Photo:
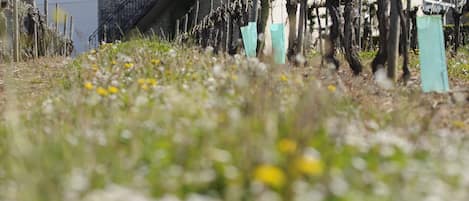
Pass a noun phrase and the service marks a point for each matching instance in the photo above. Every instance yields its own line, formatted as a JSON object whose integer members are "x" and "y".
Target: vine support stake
{"x": 16, "y": 37}
{"x": 46, "y": 11}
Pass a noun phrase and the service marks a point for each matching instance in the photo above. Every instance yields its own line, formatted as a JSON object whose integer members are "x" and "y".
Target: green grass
{"x": 458, "y": 66}
{"x": 190, "y": 124}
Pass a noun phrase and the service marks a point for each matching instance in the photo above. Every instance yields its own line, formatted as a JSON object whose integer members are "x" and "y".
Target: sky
{"x": 85, "y": 17}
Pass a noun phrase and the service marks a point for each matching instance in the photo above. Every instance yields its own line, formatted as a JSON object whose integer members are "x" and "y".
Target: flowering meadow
{"x": 151, "y": 121}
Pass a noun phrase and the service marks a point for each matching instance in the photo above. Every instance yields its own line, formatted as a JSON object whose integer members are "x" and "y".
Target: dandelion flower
{"x": 102, "y": 91}
{"x": 234, "y": 77}
{"x": 88, "y": 85}
{"x": 152, "y": 81}
{"x": 284, "y": 78}
{"x": 113, "y": 90}
{"x": 459, "y": 124}
{"x": 287, "y": 146}
{"x": 128, "y": 65}
{"x": 332, "y": 88}
{"x": 308, "y": 165}
{"x": 95, "y": 67}
{"x": 270, "y": 175}
{"x": 141, "y": 81}
{"x": 155, "y": 61}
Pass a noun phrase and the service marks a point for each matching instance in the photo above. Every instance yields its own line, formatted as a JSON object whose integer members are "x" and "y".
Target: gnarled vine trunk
{"x": 331, "y": 47}
{"x": 301, "y": 27}
{"x": 292, "y": 6}
{"x": 404, "y": 42}
{"x": 350, "y": 50}
{"x": 457, "y": 29}
{"x": 393, "y": 39}
{"x": 380, "y": 60}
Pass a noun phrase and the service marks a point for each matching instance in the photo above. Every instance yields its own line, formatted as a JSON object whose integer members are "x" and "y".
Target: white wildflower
{"x": 116, "y": 193}
{"x": 382, "y": 79}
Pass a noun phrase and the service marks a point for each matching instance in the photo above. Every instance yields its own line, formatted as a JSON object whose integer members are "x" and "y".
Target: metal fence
{"x": 120, "y": 21}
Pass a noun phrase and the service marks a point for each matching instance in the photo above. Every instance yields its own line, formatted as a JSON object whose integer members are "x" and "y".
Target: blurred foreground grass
{"x": 147, "y": 120}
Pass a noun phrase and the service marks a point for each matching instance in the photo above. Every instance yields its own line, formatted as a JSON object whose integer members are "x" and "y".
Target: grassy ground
{"x": 151, "y": 121}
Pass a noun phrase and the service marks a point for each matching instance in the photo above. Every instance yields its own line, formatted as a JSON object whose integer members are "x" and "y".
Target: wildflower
{"x": 287, "y": 146}
{"x": 332, "y": 88}
{"x": 95, "y": 67}
{"x": 284, "y": 78}
{"x": 128, "y": 65}
{"x": 459, "y": 124}
{"x": 113, "y": 90}
{"x": 152, "y": 81}
{"x": 141, "y": 81}
{"x": 270, "y": 175}
{"x": 234, "y": 77}
{"x": 113, "y": 62}
{"x": 144, "y": 87}
{"x": 155, "y": 61}
{"x": 102, "y": 91}
{"x": 88, "y": 85}
{"x": 308, "y": 165}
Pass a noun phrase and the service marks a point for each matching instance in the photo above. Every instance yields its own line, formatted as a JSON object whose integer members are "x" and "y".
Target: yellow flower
{"x": 152, "y": 81}
{"x": 102, "y": 91}
{"x": 308, "y": 165}
{"x": 284, "y": 78}
{"x": 88, "y": 85}
{"x": 234, "y": 77}
{"x": 144, "y": 87}
{"x": 270, "y": 175}
{"x": 332, "y": 88}
{"x": 113, "y": 62}
{"x": 459, "y": 124}
{"x": 95, "y": 67}
{"x": 287, "y": 146}
{"x": 155, "y": 61}
{"x": 113, "y": 90}
{"x": 128, "y": 65}
{"x": 141, "y": 81}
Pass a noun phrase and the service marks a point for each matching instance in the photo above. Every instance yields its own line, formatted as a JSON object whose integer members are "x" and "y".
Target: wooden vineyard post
{"x": 228, "y": 30}
{"x": 186, "y": 23}
{"x": 35, "y": 48}
{"x": 177, "y": 29}
{"x": 300, "y": 34}
{"x": 359, "y": 28}
{"x": 320, "y": 36}
{"x": 46, "y": 11}
{"x": 393, "y": 41}
{"x": 55, "y": 36}
{"x": 196, "y": 20}
{"x": 211, "y": 6}
{"x": 409, "y": 5}
{"x": 16, "y": 34}
{"x": 35, "y": 36}
{"x": 65, "y": 36}
{"x": 71, "y": 28}
{"x": 65, "y": 24}
{"x": 56, "y": 18}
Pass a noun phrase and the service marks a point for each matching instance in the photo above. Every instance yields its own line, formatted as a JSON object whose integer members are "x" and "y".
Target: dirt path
{"x": 2, "y": 85}
{"x": 439, "y": 111}
{"x": 30, "y": 79}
